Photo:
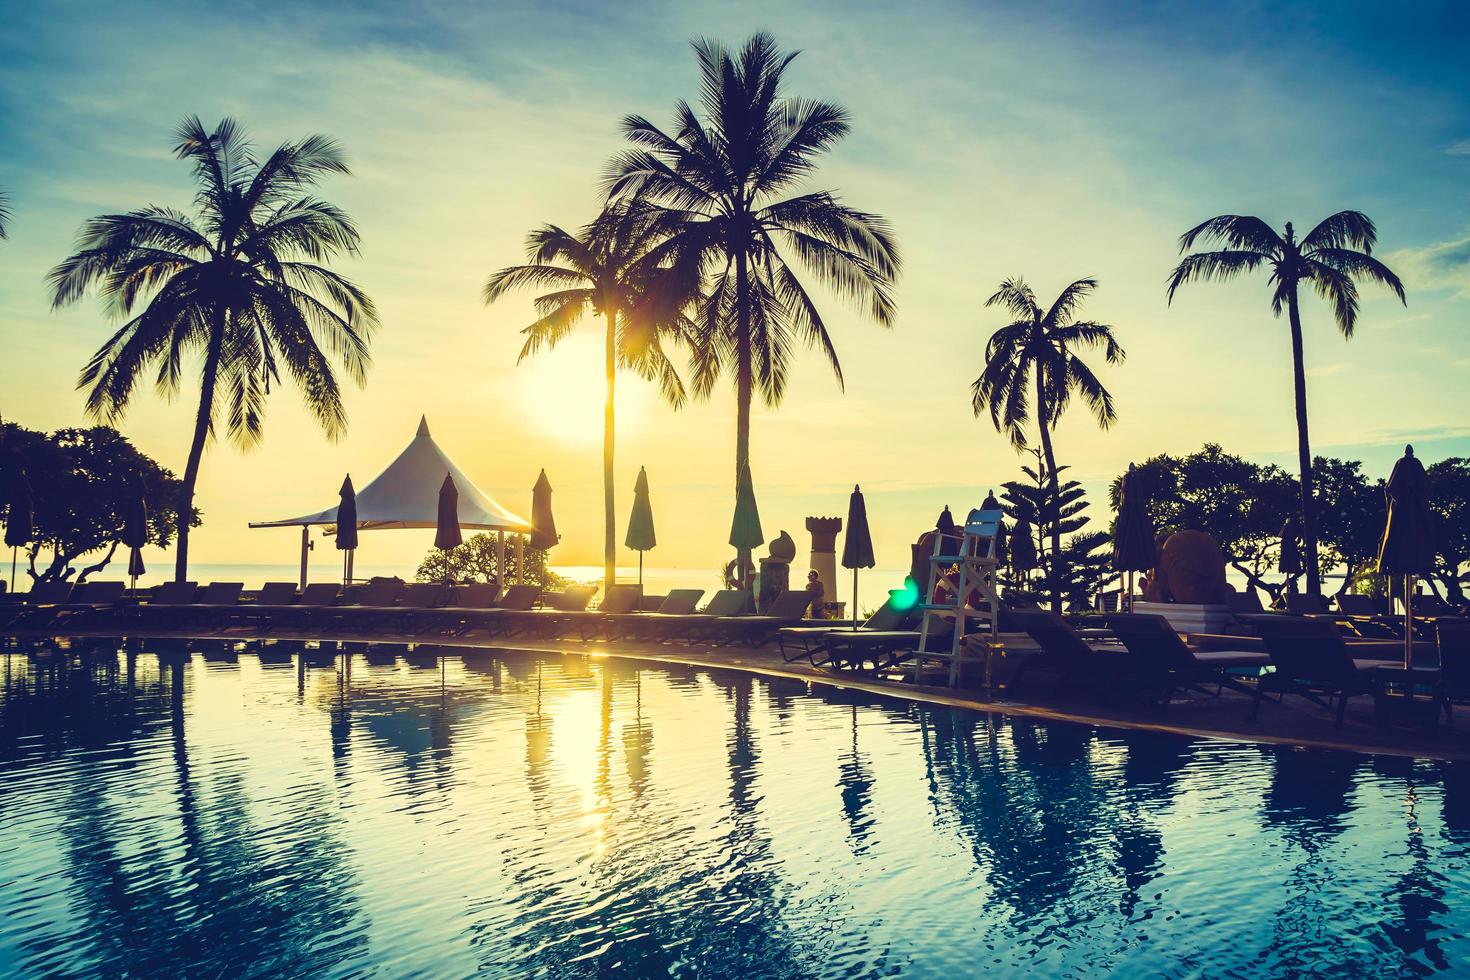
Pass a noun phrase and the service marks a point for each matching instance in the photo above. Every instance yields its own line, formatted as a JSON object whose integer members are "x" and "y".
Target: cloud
{"x": 1443, "y": 265}
{"x": 1459, "y": 148}
{"x": 1327, "y": 370}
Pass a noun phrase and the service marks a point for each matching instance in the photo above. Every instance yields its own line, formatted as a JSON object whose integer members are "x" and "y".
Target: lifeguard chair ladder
{"x": 964, "y": 566}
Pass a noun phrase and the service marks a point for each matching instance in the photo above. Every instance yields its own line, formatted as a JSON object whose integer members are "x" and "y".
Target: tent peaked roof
{"x": 406, "y": 494}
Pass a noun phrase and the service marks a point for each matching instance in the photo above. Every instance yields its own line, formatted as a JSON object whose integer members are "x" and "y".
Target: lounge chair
{"x": 362, "y": 604}
{"x": 638, "y": 625}
{"x": 787, "y": 609}
{"x": 316, "y": 597}
{"x": 662, "y": 626}
{"x": 415, "y": 601}
{"x": 1305, "y": 604}
{"x": 1453, "y": 637}
{"x": 276, "y": 594}
{"x": 1160, "y": 662}
{"x": 1312, "y": 660}
{"x": 552, "y": 617}
{"x": 502, "y": 615}
{"x": 620, "y": 600}
{"x": 811, "y": 642}
{"x": 1062, "y": 652}
{"x": 462, "y": 601}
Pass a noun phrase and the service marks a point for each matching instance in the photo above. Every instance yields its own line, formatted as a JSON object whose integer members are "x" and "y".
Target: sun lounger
{"x": 502, "y": 616}
{"x": 640, "y": 625}
{"x": 1160, "y": 663}
{"x": 787, "y": 609}
{"x": 811, "y": 642}
{"x": 463, "y": 601}
{"x": 361, "y": 604}
{"x": 663, "y": 626}
{"x": 1453, "y": 639}
{"x": 416, "y": 602}
{"x": 620, "y": 600}
{"x": 551, "y": 618}
{"x": 1062, "y": 652}
{"x": 316, "y": 597}
{"x": 1310, "y": 659}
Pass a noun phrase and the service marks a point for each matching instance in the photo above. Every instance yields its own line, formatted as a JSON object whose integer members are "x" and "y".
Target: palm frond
{"x": 1206, "y": 266}
{"x": 1238, "y": 232}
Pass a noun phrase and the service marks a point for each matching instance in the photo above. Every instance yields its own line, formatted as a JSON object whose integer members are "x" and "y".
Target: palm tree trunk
{"x": 196, "y": 447}
{"x": 743, "y": 389}
{"x": 1054, "y": 489}
{"x": 1303, "y": 448}
{"x": 609, "y": 511}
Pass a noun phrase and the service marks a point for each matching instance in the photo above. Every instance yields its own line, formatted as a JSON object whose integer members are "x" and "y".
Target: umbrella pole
{"x": 640, "y": 576}
{"x": 13, "y": 549}
{"x": 1408, "y": 622}
{"x": 854, "y": 599}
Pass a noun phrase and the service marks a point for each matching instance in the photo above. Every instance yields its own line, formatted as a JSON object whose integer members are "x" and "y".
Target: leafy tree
{"x": 475, "y": 561}
{"x": 1352, "y": 515}
{"x": 1070, "y": 577}
{"x": 85, "y": 480}
{"x": 242, "y": 284}
{"x": 1241, "y": 504}
{"x": 1039, "y": 346}
{"x": 605, "y": 269}
{"x": 723, "y": 177}
{"x": 1449, "y": 499}
{"x": 1332, "y": 257}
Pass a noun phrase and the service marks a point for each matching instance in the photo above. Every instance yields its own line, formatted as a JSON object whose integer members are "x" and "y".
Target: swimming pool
{"x": 520, "y": 815}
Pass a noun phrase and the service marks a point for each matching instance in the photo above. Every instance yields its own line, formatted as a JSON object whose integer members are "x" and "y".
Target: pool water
{"x": 520, "y": 815}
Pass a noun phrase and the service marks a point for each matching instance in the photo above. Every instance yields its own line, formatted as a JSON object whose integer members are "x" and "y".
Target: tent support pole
{"x": 305, "y": 545}
{"x": 500, "y": 558}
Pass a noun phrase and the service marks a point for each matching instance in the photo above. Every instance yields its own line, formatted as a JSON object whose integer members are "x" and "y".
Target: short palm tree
{"x": 1331, "y": 257}
{"x": 1038, "y": 347}
{"x": 241, "y": 284}
{"x": 605, "y": 269}
{"x": 723, "y": 177}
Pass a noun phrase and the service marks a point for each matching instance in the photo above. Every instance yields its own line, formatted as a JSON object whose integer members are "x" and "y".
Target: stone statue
{"x": 776, "y": 569}
{"x": 1191, "y": 570}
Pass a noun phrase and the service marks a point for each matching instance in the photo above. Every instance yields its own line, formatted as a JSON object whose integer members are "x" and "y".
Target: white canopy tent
{"x": 406, "y": 495}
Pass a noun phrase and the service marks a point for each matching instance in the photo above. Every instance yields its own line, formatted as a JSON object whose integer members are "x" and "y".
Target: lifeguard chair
{"x": 961, "y": 590}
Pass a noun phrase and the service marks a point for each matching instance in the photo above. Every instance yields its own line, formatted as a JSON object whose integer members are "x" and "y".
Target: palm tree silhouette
{"x": 723, "y": 177}
{"x": 242, "y": 284}
{"x": 1037, "y": 346}
{"x": 605, "y": 269}
{"x": 1332, "y": 257}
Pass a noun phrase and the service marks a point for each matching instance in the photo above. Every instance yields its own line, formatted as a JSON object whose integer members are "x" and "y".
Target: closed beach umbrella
{"x": 640, "y": 523}
{"x": 447, "y": 536}
{"x": 543, "y": 524}
{"x": 1023, "y": 548}
{"x": 135, "y": 534}
{"x": 857, "y": 547}
{"x": 945, "y": 525}
{"x": 745, "y": 527}
{"x": 1133, "y": 533}
{"x": 1408, "y": 546}
{"x": 347, "y": 527}
{"x": 1290, "y": 563}
{"x": 19, "y": 518}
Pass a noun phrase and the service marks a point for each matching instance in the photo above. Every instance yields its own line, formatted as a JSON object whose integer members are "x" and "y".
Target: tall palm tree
{"x": 724, "y": 176}
{"x": 1038, "y": 347}
{"x": 241, "y": 284}
{"x": 605, "y": 269}
{"x": 1331, "y": 257}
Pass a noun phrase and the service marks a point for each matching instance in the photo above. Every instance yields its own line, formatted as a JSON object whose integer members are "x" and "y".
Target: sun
{"x": 562, "y": 393}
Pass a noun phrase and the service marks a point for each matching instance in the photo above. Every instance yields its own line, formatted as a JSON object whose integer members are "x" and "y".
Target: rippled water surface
{"x": 166, "y": 814}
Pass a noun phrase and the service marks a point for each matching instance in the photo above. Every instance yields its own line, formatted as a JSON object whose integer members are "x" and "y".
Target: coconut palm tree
{"x": 1038, "y": 347}
{"x": 242, "y": 285}
{"x": 724, "y": 175}
{"x": 4, "y": 214}
{"x": 1332, "y": 257}
{"x": 604, "y": 269}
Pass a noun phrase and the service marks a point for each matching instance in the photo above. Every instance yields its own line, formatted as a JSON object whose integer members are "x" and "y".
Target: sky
{"x": 1046, "y": 140}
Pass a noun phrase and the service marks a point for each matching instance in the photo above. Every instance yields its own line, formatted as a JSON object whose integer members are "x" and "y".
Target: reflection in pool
{"x": 525, "y": 815}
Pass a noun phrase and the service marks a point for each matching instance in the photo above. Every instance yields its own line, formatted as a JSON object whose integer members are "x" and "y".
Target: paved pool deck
{"x": 1293, "y": 722}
